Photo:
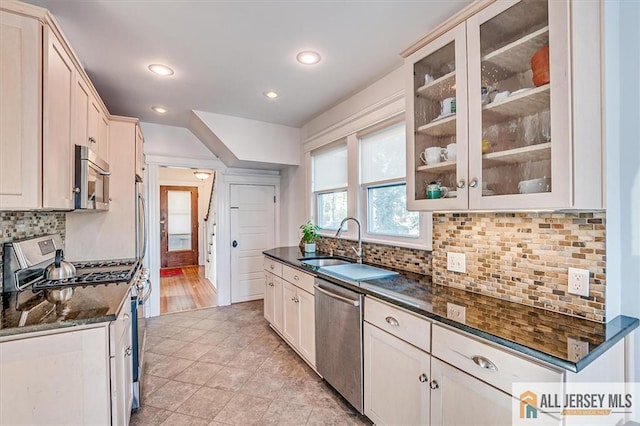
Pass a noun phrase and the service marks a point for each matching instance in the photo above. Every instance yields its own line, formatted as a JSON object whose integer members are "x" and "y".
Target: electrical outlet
{"x": 456, "y": 312}
{"x": 456, "y": 262}
{"x": 576, "y": 349}
{"x": 579, "y": 281}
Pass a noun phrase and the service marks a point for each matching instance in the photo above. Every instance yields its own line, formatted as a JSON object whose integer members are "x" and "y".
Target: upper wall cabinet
{"x": 47, "y": 106}
{"x": 503, "y": 111}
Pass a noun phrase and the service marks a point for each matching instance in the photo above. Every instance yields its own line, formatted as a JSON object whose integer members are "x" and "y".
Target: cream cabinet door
{"x": 103, "y": 136}
{"x": 82, "y": 100}
{"x": 278, "y": 300}
{"x": 290, "y": 320}
{"x": 460, "y": 399}
{"x": 139, "y": 152}
{"x": 269, "y": 299}
{"x": 60, "y": 378}
{"x": 307, "y": 326}
{"x": 396, "y": 380}
{"x": 20, "y": 123}
{"x": 58, "y": 116}
{"x": 121, "y": 377}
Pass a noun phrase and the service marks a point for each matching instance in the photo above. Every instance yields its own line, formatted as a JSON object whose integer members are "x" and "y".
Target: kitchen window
{"x": 383, "y": 186}
{"x": 329, "y": 182}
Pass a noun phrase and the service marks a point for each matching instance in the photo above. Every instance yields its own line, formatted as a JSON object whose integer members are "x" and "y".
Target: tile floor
{"x": 224, "y": 365}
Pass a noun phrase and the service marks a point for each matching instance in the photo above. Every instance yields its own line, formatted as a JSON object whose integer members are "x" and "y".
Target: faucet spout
{"x": 358, "y": 251}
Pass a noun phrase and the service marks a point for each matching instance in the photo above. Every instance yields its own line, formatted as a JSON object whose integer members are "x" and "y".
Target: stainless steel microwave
{"x": 92, "y": 180}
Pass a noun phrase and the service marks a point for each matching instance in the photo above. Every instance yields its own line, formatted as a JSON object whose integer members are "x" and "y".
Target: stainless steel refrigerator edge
{"x": 339, "y": 334}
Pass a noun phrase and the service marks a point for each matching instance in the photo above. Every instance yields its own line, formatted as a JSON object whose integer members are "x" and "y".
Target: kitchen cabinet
{"x": 460, "y": 399}
{"x": 20, "y": 122}
{"x": 139, "y": 152}
{"x": 396, "y": 379}
{"x": 46, "y": 101}
{"x": 98, "y": 129}
{"x": 80, "y": 375}
{"x": 58, "y": 115}
{"x": 524, "y": 139}
{"x": 289, "y": 306}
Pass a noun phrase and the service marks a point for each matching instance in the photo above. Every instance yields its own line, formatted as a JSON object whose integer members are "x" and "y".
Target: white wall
{"x": 623, "y": 159}
{"x": 185, "y": 177}
{"x": 251, "y": 141}
{"x": 171, "y": 141}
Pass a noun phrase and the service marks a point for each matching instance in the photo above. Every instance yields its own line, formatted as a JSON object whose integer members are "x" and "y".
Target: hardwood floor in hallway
{"x": 187, "y": 291}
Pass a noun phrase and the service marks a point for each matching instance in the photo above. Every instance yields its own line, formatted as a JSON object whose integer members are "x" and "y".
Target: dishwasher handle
{"x": 355, "y": 303}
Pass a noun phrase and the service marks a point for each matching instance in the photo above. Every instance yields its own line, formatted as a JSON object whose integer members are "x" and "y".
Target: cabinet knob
{"x": 76, "y": 190}
{"x": 296, "y": 300}
{"x": 127, "y": 352}
{"x": 473, "y": 183}
{"x": 392, "y": 321}
{"x": 295, "y": 277}
{"x": 461, "y": 184}
{"x": 423, "y": 378}
{"x": 270, "y": 284}
{"x": 272, "y": 268}
{"x": 434, "y": 385}
{"x": 125, "y": 316}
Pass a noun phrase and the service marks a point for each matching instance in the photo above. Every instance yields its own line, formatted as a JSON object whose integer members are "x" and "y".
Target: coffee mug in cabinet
{"x": 448, "y": 106}
{"x": 432, "y": 155}
{"x": 452, "y": 152}
{"x": 435, "y": 190}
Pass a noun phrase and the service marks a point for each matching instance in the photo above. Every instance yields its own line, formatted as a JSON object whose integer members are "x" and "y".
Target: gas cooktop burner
{"x": 90, "y": 278}
{"x": 104, "y": 263}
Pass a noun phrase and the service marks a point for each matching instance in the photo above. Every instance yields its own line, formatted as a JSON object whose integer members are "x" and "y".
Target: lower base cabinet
{"x": 396, "y": 380}
{"x": 273, "y": 300}
{"x": 460, "y": 399}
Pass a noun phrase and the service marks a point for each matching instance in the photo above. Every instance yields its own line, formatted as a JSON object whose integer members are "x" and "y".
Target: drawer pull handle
{"x": 483, "y": 362}
{"x": 392, "y": 321}
{"x": 423, "y": 378}
{"x": 295, "y": 277}
{"x": 434, "y": 385}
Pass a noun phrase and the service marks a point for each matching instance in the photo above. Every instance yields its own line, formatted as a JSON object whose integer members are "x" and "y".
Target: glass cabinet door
{"x": 437, "y": 124}
{"x": 512, "y": 127}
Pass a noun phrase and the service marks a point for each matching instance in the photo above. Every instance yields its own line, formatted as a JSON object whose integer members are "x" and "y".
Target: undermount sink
{"x": 324, "y": 261}
{"x": 357, "y": 272}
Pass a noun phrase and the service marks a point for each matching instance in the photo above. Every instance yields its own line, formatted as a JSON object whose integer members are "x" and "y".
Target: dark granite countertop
{"x": 28, "y": 311}
{"x": 538, "y": 333}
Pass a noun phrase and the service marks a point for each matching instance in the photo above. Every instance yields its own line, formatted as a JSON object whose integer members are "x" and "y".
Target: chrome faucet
{"x": 359, "y": 250}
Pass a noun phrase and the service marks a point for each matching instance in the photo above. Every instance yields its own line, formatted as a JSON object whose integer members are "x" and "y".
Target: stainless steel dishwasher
{"x": 339, "y": 340}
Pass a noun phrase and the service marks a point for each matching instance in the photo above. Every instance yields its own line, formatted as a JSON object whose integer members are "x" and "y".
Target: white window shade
{"x": 382, "y": 154}
{"x": 330, "y": 169}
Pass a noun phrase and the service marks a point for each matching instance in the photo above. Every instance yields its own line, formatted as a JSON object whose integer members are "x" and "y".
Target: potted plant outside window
{"x": 309, "y": 236}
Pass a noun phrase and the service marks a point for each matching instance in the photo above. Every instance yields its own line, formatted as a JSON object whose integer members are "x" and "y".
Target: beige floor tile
{"x": 190, "y": 334}
{"x": 264, "y": 386}
{"x": 168, "y": 367}
{"x": 219, "y": 355}
{"x": 211, "y": 338}
{"x": 177, "y": 419}
{"x": 243, "y": 410}
{"x": 193, "y": 351}
{"x": 198, "y": 373}
{"x": 166, "y": 331}
{"x": 286, "y": 413}
{"x": 149, "y": 416}
{"x": 247, "y": 360}
{"x": 229, "y": 378}
{"x": 327, "y": 416}
{"x": 208, "y": 324}
{"x": 206, "y": 403}
{"x": 171, "y": 395}
{"x": 151, "y": 383}
{"x": 166, "y": 346}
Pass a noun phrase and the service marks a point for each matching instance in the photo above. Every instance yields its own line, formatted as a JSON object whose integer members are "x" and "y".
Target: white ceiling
{"x": 227, "y": 53}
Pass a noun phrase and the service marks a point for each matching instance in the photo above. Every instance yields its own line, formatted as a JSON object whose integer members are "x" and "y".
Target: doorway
{"x": 252, "y": 223}
{"x": 178, "y": 226}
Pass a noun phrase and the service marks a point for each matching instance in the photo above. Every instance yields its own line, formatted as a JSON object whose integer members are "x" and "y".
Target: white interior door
{"x": 252, "y": 231}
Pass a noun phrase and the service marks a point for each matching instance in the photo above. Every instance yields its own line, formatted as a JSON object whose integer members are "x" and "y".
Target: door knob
{"x": 234, "y": 243}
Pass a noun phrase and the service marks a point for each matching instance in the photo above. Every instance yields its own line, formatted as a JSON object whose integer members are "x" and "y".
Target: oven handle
{"x": 148, "y": 293}
{"x": 143, "y": 204}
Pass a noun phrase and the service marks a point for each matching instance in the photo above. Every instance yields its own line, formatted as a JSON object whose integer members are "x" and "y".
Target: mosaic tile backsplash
{"x": 21, "y": 225}
{"x": 524, "y": 257}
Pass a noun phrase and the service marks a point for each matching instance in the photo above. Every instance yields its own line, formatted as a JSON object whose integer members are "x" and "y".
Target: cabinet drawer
{"x": 398, "y": 322}
{"x": 495, "y": 366}
{"x": 273, "y": 266}
{"x": 299, "y": 278}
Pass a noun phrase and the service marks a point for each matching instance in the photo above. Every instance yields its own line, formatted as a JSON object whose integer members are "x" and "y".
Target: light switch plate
{"x": 576, "y": 349}
{"x": 579, "y": 282}
{"x": 456, "y": 312}
{"x": 456, "y": 262}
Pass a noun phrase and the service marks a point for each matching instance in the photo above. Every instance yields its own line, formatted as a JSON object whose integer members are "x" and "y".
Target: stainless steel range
{"x": 24, "y": 266}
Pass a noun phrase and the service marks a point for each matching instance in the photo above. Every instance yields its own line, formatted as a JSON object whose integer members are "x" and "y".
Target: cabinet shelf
{"x": 438, "y": 167}
{"x": 516, "y": 57}
{"x": 439, "y": 89}
{"x": 444, "y": 127}
{"x": 520, "y": 105}
{"x": 518, "y": 155}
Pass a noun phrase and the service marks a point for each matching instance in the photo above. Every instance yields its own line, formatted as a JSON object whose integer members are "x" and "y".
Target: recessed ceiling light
{"x": 270, "y": 94}
{"x": 160, "y": 69}
{"x": 308, "y": 57}
{"x": 159, "y": 109}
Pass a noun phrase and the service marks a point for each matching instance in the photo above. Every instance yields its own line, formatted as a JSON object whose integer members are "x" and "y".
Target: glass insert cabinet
{"x": 491, "y": 111}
